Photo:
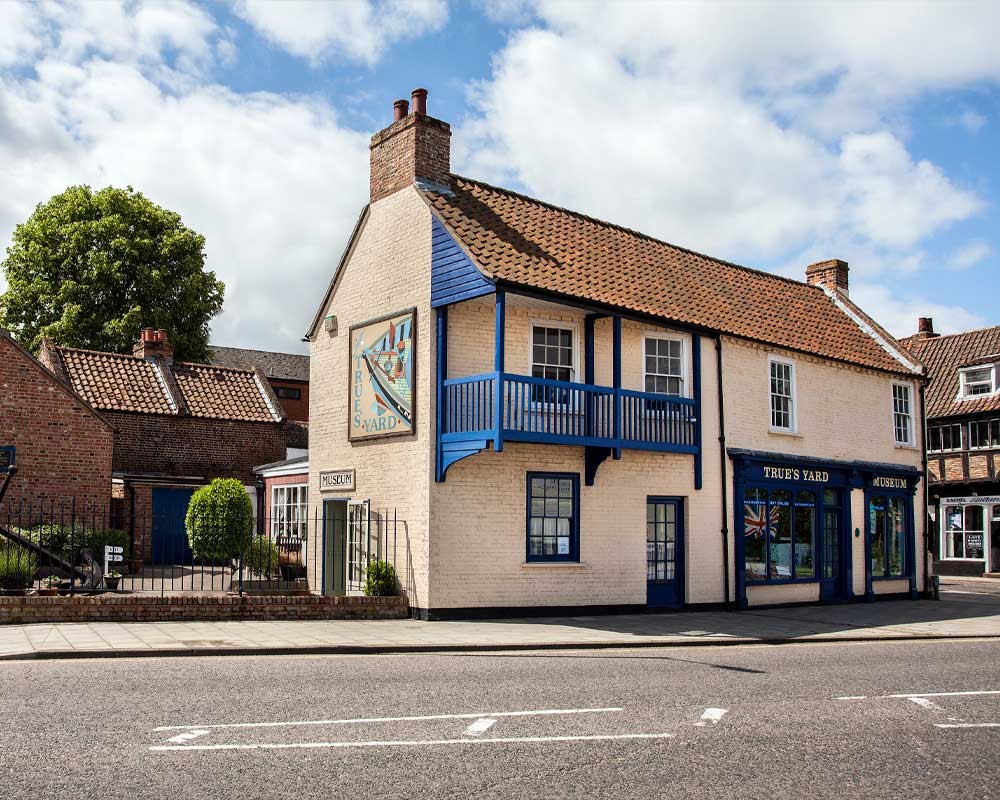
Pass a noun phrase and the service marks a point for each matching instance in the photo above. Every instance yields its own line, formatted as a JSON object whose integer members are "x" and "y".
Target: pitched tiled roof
{"x": 115, "y": 382}
{"x": 289, "y": 366}
{"x": 943, "y": 355}
{"x": 222, "y": 393}
{"x": 524, "y": 242}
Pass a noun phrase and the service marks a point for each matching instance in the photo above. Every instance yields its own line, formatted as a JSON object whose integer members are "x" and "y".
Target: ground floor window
{"x": 553, "y": 516}
{"x": 888, "y": 530}
{"x": 780, "y": 534}
{"x": 289, "y": 511}
{"x": 964, "y": 531}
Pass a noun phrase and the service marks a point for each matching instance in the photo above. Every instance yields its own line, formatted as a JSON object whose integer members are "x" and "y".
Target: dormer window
{"x": 977, "y": 381}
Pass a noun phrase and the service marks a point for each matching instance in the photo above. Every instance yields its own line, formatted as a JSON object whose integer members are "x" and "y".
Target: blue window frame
{"x": 553, "y": 515}
{"x": 889, "y": 532}
{"x": 780, "y": 534}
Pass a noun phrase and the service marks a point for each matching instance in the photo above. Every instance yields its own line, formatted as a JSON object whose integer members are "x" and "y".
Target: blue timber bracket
{"x": 593, "y": 456}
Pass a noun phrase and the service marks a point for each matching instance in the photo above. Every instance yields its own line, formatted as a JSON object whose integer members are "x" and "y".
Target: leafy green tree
{"x": 90, "y": 269}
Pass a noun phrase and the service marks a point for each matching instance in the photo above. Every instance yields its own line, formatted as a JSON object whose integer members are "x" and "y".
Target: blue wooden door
{"x": 170, "y": 544}
{"x": 835, "y": 549}
{"x": 664, "y": 552}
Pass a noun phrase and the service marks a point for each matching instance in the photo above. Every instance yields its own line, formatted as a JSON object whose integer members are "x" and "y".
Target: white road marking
{"x": 923, "y": 702}
{"x": 712, "y": 715}
{"x": 412, "y": 743}
{"x": 967, "y": 725}
{"x": 943, "y": 694}
{"x": 852, "y": 697}
{"x": 480, "y": 726}
{"x": 366, "y": 720}
{"x": 187, "y": 736}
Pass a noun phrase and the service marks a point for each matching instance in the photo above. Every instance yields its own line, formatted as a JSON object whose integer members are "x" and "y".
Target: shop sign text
{"x": 886, "y": 482}
{"x": 796, "y": 474}
{"x": 336, "y": 479}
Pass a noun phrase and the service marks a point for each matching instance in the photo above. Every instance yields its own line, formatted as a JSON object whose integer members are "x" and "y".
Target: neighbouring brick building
{"x": 176, "y": 426}
{"x": 963, "y": 446}
{"x": 63, "y": 447}
{"x": 569, "y": 414}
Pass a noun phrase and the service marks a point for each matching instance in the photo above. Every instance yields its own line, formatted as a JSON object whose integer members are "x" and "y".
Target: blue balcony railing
{"x": 560, "y": 412}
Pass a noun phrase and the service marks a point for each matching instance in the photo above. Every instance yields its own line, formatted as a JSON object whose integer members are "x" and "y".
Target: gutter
{"x": 921, "y": 391}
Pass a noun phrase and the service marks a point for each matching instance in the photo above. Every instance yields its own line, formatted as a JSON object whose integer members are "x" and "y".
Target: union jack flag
{"x": 755, "y": 519}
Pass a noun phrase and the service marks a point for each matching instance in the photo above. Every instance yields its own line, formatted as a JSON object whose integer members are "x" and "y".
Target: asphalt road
{"x": 731, "y": 722}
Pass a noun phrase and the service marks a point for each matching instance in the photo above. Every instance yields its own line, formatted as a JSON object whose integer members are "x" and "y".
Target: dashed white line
{"x": 412, "y": 743}
{"x": 944, "y": 694}
{"x": 187, "y": 736}
{"x": 923, "y": 702}
{"x": 367, "y": 720}
{"x": 852, "y": 697}
{"x": 967, "y": 724}
{"x": 480, "y": 726}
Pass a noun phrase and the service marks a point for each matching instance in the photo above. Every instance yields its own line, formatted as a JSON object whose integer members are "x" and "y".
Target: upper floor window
{"x": 944, "y": 437}
{"x": 553, "y": 357}
{"x": 902, "y": 416}
{"x": 664, "y": 365}
{"x": 984, "y": 433}
{"x": 976, "y": 381}
{"x": 287, "y": 393}
{"x": 782, "y": 395}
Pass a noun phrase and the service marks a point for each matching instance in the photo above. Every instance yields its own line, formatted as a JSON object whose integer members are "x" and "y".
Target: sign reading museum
{"x": 336, "y": 480}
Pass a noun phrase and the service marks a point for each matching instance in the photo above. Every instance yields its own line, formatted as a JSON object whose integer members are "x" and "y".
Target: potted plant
{"x": 49, "y": 586}
{"x": 111, "y": 580}
{"x": 17, "y": 569}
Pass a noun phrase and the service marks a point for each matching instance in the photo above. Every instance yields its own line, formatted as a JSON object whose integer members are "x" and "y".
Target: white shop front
{"x": 970, "y": 530}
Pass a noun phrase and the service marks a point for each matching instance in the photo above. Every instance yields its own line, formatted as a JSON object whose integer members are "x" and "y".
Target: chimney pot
{"x": 419, "y": 97}
{"x": 400, "y": 109}
{"x": 161, "y": 336}
{"x": 925, "y": 328}
{"x": 153, "y": 344}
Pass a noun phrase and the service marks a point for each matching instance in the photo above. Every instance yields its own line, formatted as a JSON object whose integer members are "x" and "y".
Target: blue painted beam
{"x": 696, "y": 379}
{"x": 499, "y": 340}
{"x": 453, "y": 275}
{"x": 616, "y": 325}
{"x": 440, "y": 394}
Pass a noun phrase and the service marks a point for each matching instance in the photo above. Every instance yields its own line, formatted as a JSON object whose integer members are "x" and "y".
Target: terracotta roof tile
{"x": 116, "y": 382}
{"x": 524, "y": 242}
{"x": 943, "y": 355}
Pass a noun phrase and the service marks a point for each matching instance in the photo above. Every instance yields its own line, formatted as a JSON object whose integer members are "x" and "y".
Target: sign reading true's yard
{"x": 381, "y": 377}
{"x": 336, "y": 479}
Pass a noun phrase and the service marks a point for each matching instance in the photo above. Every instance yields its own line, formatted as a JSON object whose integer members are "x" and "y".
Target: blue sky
{"x": 769, "y": 134}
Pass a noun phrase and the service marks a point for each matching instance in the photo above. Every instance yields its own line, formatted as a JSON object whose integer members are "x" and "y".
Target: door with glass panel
{"x": 664, "y": 552}
{"x": 834, "y": 572}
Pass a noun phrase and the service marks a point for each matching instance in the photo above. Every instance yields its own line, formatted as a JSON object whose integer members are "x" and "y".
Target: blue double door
{"x": 664, "y": 552}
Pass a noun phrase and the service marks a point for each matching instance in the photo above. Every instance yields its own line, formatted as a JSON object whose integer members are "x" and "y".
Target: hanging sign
{"x": 336, "y": 480}
{"x": 381, "y": 379}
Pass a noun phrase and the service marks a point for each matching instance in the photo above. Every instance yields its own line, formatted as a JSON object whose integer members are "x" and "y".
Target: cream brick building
{"x": 536, "y": 394}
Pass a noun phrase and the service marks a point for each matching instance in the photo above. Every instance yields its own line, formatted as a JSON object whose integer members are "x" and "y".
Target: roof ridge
{"x": 65, "y": 349}
{"x": 213, "y": 366}
{"x": 952, "y": 335}
{"x": 634, "y": 232}
{"x": 256, "y": 350}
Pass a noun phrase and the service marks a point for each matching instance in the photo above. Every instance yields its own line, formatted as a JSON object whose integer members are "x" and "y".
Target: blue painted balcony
{"x": 501, "y": 407}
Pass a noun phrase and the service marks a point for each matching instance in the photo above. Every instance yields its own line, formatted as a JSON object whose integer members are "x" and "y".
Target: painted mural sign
{"x": 382, "y": 377}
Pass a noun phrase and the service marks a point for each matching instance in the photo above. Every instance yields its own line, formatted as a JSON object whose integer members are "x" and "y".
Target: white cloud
{"x": 360, "y": 30}
{"x": 767, "y": 133}
{"x": 971, "y": 121}
{"x": 252, "y": 172}
{"x": 897, "y": 311}
{"x": 971, "y": 254}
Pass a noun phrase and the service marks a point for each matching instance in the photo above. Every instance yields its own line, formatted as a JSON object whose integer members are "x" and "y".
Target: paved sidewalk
{"x": 967, "y": 609}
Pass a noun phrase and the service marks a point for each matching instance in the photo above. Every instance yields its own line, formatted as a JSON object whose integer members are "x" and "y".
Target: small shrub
{"x": 219, "y": 520}
{"x": 17, "y": 568}
{"x": 380, "y": 580}
{"x": 261, "y": 556}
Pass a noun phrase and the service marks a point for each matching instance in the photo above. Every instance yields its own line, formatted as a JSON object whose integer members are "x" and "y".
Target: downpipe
{"x": 722, "y": 468}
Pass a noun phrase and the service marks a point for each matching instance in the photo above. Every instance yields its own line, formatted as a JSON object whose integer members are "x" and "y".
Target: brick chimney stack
{"x": 925, "y": 328}
{"x": 153, "y": 344}
{"x": 831, "y": 274}
{"x": 414, "y": 147}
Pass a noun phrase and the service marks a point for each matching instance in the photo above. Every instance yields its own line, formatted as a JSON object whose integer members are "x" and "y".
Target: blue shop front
{"x": 794, "y": 527}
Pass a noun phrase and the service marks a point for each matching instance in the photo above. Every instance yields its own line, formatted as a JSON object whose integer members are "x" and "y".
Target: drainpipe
{"x": 259, "y": 485}
{"x": 131, "y": 516}
{"x": 927, "y": 492}
{"x": 722, "y": 466}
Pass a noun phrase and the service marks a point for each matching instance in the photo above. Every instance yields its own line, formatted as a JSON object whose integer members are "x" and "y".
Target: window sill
{"x": 786, "y": 581}
{"x": 953, "y": 558}
{"x": 890, "y": 577}
{"x": 554, "y": 565}
{"x": 785, "y": 432}
{"x": 900, "y": 446}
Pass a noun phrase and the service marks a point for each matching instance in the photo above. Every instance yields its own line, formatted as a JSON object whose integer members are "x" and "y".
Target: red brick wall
{"x": 193, "y": 446}
{"x": 294, "y": 409}
{"x": 415, "y": 147}
{"x": 63, "y": 449}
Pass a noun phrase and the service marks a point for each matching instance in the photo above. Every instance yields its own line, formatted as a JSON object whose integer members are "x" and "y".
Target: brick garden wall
{"x": 194, "y": 446}
{"x": 139, "y": 608}
{"x": 64, "y": 450}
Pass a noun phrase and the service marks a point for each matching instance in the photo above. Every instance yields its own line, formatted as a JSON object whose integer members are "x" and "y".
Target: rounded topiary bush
{"x": 219, "y": 520}
{"x": 380, "y": 580}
